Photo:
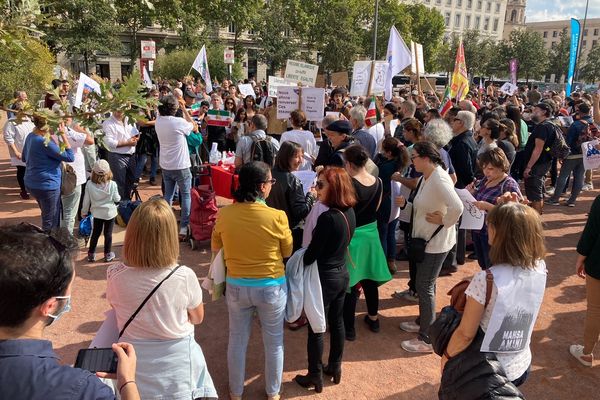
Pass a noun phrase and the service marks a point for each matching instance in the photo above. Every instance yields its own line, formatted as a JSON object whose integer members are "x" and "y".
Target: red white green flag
{"x": 373, "y": 116}
{"x": 218, "y": 118}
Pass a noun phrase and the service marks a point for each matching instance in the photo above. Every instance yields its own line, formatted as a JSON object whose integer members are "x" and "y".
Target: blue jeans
{"x": 183, "y": 179}
{"x": 242, "y": 302}
{"x": 123, "y": 170}
{"x": 49, "y": 202}
{"x": 140, "y": 163}
{"x": 569, "y": 166}
{"x": 482, "y": 248}
{"x": 387, "y": 236}
{"x": 70, "y": 206}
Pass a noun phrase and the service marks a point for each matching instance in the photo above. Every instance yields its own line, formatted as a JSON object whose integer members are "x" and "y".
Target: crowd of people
{"x": 384, "y": 191}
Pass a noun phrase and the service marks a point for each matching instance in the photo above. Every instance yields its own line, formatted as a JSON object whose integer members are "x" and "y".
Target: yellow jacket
{"x": 255, "y": 238}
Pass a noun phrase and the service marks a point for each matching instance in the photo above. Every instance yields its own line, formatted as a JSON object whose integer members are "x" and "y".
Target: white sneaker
{"x": 416, "y": 345}
{"x": 576, "y": 351}
{"x": 183, "y": 231}
{"x": 410, "y": 327}
{"x": 587, "y": 187}
{"x": 550, "y": 191}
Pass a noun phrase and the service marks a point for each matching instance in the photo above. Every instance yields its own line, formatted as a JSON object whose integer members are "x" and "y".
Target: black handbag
{"x": 417, "y": 246}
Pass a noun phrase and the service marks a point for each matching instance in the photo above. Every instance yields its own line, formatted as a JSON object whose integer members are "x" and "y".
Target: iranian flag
{"x": 446, "y": 102}
{"x": 373, "y": 116}
{"x": 195, "y": 109}
{"x": 218, "y": 118}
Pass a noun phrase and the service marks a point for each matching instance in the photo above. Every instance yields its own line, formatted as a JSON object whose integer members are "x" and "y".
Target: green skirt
{"x": 366, "y": 259}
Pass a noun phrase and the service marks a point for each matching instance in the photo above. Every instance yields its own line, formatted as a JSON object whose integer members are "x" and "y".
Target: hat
{"x": 546, "y": 107}
{"x": 340, "y": 126}
{"x": 189, "y": 93}
{"x": 101, "y": 167}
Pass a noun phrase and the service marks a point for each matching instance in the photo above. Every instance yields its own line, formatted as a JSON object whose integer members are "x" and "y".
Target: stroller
{"x": 203, "y": 213}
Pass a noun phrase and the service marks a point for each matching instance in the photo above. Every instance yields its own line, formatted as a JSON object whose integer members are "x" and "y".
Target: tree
{"x": 477, "y": 49}
{"x": 427, "y": 27}
{"x": 558, "y": 56}
{"x": 590, "y": 71}
{"x": 528, "y": 48}
{"x": 176, "y": 64}
{"x": 391, "y": 12}
{"x": 83, "y": 27}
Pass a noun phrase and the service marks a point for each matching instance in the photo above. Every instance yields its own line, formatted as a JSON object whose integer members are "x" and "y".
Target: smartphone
{"x": 97, "y": 360}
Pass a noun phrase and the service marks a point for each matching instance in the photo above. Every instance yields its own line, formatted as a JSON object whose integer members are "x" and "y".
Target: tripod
{"x": 135, "y": 195}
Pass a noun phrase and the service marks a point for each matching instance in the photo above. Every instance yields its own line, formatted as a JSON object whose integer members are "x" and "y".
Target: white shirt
{"x": 305, "y": 139}
{"x": 164, "y": 316}
{"x": 377, "y": 131}
{"x": 16, "y": 134}
{"x": 437, "y": 194}
{"x": 172, "y": 132}
{"x": 77, "y": 140}
{"x": 116, "y": 131}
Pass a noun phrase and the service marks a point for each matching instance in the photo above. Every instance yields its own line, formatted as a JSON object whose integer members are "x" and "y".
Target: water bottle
{"x": 214, "y": 156}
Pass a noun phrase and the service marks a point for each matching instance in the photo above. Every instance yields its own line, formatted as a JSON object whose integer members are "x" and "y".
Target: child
{"x": 101, "y": 194}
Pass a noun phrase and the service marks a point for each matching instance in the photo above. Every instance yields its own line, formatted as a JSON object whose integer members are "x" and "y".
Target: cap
{"x": 546, "y": 107}
{"x": 189, "y": 93}
{"x": 340, "y": 126}
{"x": 101, "y": 167}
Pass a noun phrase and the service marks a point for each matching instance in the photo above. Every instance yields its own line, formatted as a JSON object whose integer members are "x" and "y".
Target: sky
{"x": 549, "y": 10}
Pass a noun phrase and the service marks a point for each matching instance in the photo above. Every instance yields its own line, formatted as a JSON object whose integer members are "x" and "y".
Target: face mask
{"x": 65, "y": 309}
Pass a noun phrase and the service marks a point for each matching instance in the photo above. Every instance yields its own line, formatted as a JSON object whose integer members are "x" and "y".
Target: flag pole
{"x": 189, "y": 71}
{"x": 375, "y": 30}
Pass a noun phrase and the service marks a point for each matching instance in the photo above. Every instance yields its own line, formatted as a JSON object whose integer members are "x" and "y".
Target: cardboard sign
{"x": 275, "y": 82}
{"x": 302, "y": 72}
{"x": 417, "y": 55}
{"x": 320, "y": 83}
{"x": 313, "y": 102}
{"x": 246, "y": 89}
{"x": 340, "y": 79}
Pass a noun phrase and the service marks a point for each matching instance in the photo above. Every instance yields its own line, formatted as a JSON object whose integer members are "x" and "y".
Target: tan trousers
{"x": 588, "y": 177}
{"x": 592, "y": 317}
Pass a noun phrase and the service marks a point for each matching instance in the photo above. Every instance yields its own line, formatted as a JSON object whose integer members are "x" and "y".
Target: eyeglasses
{"x": 320, "y": 185}
{"x": 456, "y": 119}
{"x": 415, "y": 156}
{"x": 271, "y": 181}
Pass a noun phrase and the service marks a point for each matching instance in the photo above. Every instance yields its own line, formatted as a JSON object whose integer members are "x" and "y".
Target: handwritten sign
{"x": 472, "y": 217}
{"x": 246, "y": 89}
{"x": 302, "y": 72}
{"x": 288, "y": 100}
{"x": 361, "y": 75}
{"x": 313, "y": 103}
{"x": 509, "y": 88}
{"x": 340, "y": 79}
{"x": 275, "y": 82}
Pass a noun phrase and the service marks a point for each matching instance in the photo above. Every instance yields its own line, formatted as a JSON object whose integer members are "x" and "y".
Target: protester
{"x": 120, "y": 139}
{"x": 489, "y": 134}
{"x": 216, "y": 134}
{"x": 390, "y": 121}
{"x": 405, "y": 112}
{"x": 335, "y": 191}
{"x": 255, "y": 238}
{"x": 43, "y": 168}
{"x": 303, "y": 137}
{"x": 14, "y": 136}
{"x": 508, "y": 141}
{"x": 360, "y": 134}
{"x": 239, "y": 125}
{"x": 33, "y": 298}
{"x": 148, "y": 145}
{"x": 436, "y": 208}
{"x": 256, "y": 136}
{"x": 338, "y": 134}
{"x": 287, "y": 193}
{"x": 367, "y": 263}
{"x": 519, "y": 274}
{"x": 587, "y": 267}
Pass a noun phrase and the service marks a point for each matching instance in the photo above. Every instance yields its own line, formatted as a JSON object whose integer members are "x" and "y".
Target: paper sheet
{"x": 472, "y": 217}
{"x": 308, "y": 179}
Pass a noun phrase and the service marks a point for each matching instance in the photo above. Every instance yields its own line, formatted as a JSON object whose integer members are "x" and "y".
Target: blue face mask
{"x": 65, "y": 309}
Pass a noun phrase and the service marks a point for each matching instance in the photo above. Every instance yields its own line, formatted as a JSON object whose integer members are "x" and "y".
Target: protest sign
{"x": 275, "y": 82}
{"x": 246, "y": 89}
{"x": 218, "y": 118}
{"x": 417, "y": 58}
{"x": 340, "y": 79}
{"x": 85, "y": 85}
{"x": 472, "y": 217}
{"x": 361, "y": 76}
{"x": 509, "y": 88}
{"x": 591, "y": 154}
{"x": 288, "y": 100}
{"x": 302, "y": 72}
{"x": 320, "y": 82}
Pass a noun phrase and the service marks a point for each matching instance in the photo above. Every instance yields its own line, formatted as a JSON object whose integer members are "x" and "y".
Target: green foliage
{"x": 528, "y": 48}
{"x": 558, "y": 59}
{"x": 25, "y": 64}
{"x": 479, "y": 53}
{"x": 590, "y": 71}
{"x": 427, "y": 27}
{"x": 176, "y": 64}
{"x": 391, "y": 12}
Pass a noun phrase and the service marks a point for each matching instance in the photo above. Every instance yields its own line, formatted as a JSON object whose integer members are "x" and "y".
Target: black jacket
{"x": 287, "y": 195}
{"x": 463, "y": 153}
{"x": 474, "y": 375}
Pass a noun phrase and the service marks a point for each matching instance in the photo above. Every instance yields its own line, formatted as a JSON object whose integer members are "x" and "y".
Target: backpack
{"x": 588, "y": 133}
{"x": 263, "y": 150}
{"x": 559, "y": 148}
{"x": 124, "y": 211}
{"x": 68, "y": 180}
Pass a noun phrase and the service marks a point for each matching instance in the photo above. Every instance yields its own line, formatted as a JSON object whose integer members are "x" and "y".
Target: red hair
{"x": 340, "y": 193}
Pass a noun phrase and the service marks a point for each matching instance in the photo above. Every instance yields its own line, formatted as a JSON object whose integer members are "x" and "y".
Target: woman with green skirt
{"x": 367, "y": 264}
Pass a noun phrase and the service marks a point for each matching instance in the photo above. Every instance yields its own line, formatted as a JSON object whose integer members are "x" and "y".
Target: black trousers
{"x": 334, "y": 283}
{"x": 371, "y": 290}
{"x": 99, "y": 226}
{"x": 21, "y": 177}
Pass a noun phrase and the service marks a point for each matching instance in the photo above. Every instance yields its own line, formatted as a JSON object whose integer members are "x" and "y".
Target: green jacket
{"x": 589, "y": 242}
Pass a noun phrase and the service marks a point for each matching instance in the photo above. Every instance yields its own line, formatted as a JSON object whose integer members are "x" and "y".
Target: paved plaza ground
{"x": 375, "y": 366}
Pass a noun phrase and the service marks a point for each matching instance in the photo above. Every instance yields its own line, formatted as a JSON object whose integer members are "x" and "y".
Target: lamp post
{"x": 375, "y": 30}
{"x": 587, "y": 3}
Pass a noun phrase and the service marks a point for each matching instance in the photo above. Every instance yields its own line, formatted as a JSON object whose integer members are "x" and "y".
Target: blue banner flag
{"x": 575, "y": 32}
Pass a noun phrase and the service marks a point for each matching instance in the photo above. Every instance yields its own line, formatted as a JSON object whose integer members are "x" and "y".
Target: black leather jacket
{"x": 287, "y": 195}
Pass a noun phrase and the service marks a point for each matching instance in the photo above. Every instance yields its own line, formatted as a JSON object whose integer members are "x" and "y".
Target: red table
{"x": 224, "y": 180}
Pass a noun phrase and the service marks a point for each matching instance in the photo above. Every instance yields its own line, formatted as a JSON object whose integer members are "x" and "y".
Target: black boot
{"x": 336, "y": 374}
{"x": 309, "y": 380}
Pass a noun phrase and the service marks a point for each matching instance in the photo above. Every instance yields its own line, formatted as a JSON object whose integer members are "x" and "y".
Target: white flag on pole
{"x": 201, "y": 65}
{"x": 398, "y": 58}
{"x": 147, "y": 80}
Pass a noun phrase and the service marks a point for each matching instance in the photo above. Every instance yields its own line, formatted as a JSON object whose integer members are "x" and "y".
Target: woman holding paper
{"x": 304, "y": 138}
{"x": 288, "y": 193}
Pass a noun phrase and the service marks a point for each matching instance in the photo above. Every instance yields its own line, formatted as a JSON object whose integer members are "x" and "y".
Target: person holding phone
{"x": 33, "y": 298}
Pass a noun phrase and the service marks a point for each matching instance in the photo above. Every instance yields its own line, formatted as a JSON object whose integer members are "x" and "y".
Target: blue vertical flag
{"x": 575, "y": 32}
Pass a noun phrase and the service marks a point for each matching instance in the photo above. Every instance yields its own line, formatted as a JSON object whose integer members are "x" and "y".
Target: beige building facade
{"x": 551, "y": 30}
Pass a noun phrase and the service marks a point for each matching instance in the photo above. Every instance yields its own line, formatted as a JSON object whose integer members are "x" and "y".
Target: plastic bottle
{"x": 214, "y": 156}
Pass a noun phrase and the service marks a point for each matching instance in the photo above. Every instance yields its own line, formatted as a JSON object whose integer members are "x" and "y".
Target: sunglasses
{"x": 320, "y": 185}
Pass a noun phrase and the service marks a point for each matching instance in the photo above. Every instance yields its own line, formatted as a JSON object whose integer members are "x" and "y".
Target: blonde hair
{"x": 519, "y": 235}
{"x": 99, "y": 179}
{"x": 151, "y": 239}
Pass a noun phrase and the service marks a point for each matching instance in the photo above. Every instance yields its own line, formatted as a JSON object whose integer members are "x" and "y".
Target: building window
{"x": 583, "y": 43}
{"x": 585, "y": 32}
{"x": 438, "y": 2}
{"x": 596, "y": 32}
{"x": 467, "y": 21}
{"x": 477, "y": 22}
{"x": 479, "y": 4}
{"x": 488, "y": 7}
{"x": 448, "y": 2}
{"x": 457, "y": 21}
{"x": 231, "y": 28}
{"x": 486, "y": 23}
{"x": 552, "y": 44}
{"x": 495, "y": 25}
{"x": 554, "y": 34}
{"x": 469, "y": 4}
{"x": 497, "y": 8}
{"x": 594, "y": 43}
{"x": 545, "y": 35}
{"x": 447, "y": 18}
{"x": 459, "y": 3}
{"x": 513, "y": 16}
